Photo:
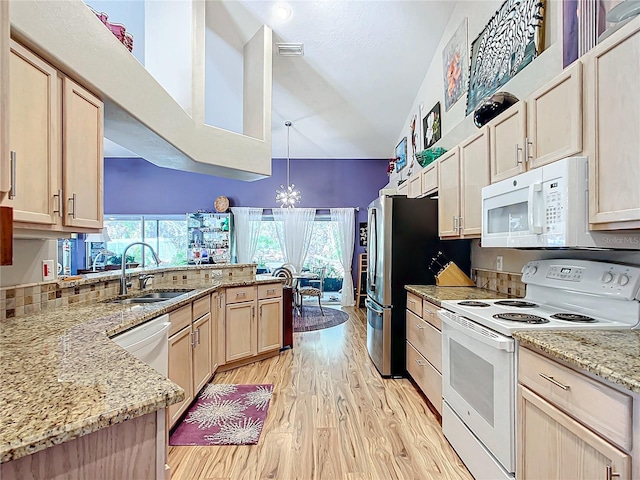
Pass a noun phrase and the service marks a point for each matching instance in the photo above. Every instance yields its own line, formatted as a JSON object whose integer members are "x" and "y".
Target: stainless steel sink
{"x": 161, "y": 295}
{"x": 152, "y": 297}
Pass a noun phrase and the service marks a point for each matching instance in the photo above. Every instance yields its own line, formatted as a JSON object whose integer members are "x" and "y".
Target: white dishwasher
{"x": 149, "y": 342}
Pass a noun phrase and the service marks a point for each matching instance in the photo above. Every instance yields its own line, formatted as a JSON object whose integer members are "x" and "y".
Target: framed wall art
{"x": 401, "y": 154}
{"x": 432, "y": 126}
{"x": 511, "y": 40}
{"x": 454, "y": 66}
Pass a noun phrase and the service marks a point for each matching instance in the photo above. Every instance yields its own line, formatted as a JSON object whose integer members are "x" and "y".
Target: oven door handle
{"x": 479, "y": 333}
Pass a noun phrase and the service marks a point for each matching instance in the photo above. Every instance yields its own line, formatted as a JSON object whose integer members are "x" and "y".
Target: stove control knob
{"x": 532, "y": 270}
{"x": 607, "y": 277}
{"x": 623, "y": 280}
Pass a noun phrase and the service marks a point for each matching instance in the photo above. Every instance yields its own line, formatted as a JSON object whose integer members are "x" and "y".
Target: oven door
{"x": 478, "y": 383}
{"x": 512, "y": 212}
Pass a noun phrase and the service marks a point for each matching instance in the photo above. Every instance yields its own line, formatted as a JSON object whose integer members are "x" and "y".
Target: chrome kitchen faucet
{"x": 123, "y": 278}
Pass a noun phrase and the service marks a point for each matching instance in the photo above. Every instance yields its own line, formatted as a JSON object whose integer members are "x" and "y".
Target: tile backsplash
{"x": 21, "y": 300}
{"x": 503, "y": 282}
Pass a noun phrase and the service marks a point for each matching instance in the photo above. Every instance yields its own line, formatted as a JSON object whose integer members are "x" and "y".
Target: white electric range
{"x": 479, "y": 363}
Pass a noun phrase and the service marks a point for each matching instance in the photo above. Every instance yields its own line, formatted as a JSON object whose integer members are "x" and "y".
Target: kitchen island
{"x": 63, "y": 378}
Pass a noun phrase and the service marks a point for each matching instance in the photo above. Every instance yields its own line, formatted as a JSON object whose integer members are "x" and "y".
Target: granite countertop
{"x": 610, "y": 354}
{"x": 435, "y": 294}
{"x": 62, "y": 377}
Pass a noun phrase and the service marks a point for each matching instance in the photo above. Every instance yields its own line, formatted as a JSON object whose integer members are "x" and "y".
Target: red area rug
{"x": 225, "y": 414}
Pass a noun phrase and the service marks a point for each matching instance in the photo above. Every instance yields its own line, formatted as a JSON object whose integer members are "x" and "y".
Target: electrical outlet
{"x": 499, "y": 263}
{"x": 48, "y": 273}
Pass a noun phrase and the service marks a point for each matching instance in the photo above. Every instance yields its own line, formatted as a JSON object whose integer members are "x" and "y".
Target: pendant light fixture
{"x": 288, "y": 196}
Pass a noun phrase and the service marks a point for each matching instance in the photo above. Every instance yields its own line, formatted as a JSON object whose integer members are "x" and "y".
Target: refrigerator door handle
{"x": 374, "y": 250}
{"x": 373, "y": 307}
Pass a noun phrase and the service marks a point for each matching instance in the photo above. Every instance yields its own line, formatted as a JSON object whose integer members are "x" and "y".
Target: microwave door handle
{"x": 533, "y": 189}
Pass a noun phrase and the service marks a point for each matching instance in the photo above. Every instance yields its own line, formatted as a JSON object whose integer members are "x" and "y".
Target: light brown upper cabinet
{"x": 545, "y": 127}
{"x": 56, "y": 144}
{"x": 424, "y": 182}
{"x": 82, "y": 157}
{"x": 462, "y": 173}
{"x": 5, "y": 166}
{"x": 34, "y": 139}
{"x": 612, "y": 130}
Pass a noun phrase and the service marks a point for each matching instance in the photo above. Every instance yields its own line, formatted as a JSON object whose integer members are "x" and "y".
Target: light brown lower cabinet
{"x": 253, "y": 321}
{"x": 554, "y": 446}
{"x": 424, "y": 348}
{"x": 190, "y": 358}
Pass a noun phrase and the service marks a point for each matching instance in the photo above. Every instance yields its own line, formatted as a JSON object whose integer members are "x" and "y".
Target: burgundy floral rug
{"x": 312, "y": 318}
{"x": 225, "y": 414}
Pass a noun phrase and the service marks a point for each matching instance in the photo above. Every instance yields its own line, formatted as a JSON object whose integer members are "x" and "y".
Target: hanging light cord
{"x": 288, "y": 125}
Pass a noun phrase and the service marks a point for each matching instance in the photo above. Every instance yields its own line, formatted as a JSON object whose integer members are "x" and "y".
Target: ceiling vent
{"x": 290, "y": 49}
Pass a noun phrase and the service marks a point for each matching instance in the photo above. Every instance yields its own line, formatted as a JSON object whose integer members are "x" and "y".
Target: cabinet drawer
{"x": 426, "y": 339}
{"x": 241, "y": 294}
{"x": 201, "y": 307}
{"x": 179, "y": 319}
{"x": 600, "y": 407}
{"x": 414, "y": 303}
{"x": 430, "y": 314}
{"x": 271, "y": 290}
{"x": 427, "y": 377}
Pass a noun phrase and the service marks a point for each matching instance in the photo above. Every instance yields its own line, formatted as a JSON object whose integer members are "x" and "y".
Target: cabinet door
{"x": 554, "y": 127}
{"x": 474, "y": 174}
{"x": 553, "y": 446}
{"x": 34, "y": 138}
{"x": 449, "y": 193}
{"x": 82, "y": 157}
{"x": 508, "y": 132}
{"x": 269, "y": 324}
{"x": 180, "y": 371}
{"x": 613, "y": 101}
{"x": 429, "y": 179}
{"x": 5, "y": 164}
{"x": 415, "y": 187}
{"x": 240, "y": 331}
{"x": 201, "y": 353}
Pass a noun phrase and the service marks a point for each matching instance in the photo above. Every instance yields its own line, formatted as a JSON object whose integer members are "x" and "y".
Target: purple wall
{"x": 133, "y": 185}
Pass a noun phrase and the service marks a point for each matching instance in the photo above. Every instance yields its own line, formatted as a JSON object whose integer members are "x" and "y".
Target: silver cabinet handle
{"x": 193, "y": 339}
{"x": 420, "y": 327}
{"x": 455, "y": 223}
{"x": 611, "y": 473}
{"x": 518, "y": 149}
{"x": 59, "y": 197}
{"x": 260, "y": 311}
{"x": 198, "y": 335}
{"x": 429, "y": 312}
{"x": 420, "y": 364}
{"x": 411, "y": 302}
{"x": 240, "y": 295}
{"x": 253, "y": 312}
{"x": 73, "y": 199}
{"x": 459, "y": 223}
{"x": 528, "y": 148}
{"x": 554, "y": 381}
{"x": 12, "y": 192}
{"x": 271, "y": 290}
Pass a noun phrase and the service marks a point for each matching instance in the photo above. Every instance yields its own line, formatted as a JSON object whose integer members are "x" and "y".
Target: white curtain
{"x": 345, "y": 239}
{"x": 294, "y": 227}
{"x": 247, "y": 229}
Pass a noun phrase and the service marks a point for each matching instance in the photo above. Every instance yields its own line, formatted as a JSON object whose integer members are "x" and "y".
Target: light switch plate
{"x": 48, "y": 273}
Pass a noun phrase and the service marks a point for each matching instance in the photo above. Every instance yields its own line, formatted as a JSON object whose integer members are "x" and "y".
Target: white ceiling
{"x": 364, "y": 61}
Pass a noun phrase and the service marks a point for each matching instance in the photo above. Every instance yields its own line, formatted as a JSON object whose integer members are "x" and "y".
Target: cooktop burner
{"x": 521, "y": 317}
{"x": 516, "y": 303}
{"x": 573, "y": 317}
{"x": 473, "y": 303}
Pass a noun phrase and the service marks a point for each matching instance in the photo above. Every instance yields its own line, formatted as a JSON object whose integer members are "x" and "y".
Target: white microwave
{"x": 547, "y": 207}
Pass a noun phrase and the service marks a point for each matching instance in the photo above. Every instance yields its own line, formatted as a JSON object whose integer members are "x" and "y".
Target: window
{"x": 322, "y": 251}
{"x": 167, "y": 234}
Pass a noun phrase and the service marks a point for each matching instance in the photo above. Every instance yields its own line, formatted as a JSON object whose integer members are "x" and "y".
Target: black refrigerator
{"x": 402, "y": 240}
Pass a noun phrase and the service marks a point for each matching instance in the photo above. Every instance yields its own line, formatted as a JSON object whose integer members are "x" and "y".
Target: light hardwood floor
{"x": 331, "y": 417}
